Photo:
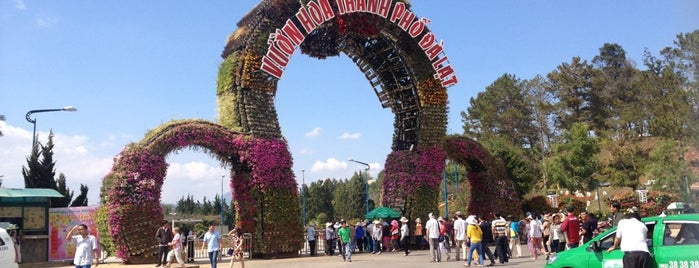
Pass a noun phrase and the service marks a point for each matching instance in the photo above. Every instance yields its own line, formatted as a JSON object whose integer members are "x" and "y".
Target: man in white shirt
{"x": 631, "y": 234}
{"x": 460, "y": 235}
{"x": 85, "y": 247}
{"x": 432, "y": 229}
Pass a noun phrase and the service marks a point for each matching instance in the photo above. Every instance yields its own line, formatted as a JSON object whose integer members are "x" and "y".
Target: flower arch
{"x": 403, "y": 61}
{"x": 263, "y": 186}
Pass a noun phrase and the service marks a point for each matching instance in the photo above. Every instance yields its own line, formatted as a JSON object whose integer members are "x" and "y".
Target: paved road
{"x": 416, "y": 259}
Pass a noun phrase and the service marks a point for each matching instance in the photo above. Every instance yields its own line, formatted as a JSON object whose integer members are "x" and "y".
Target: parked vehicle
{"x": 673, "y": 242}
{"x": 7, "y": 250}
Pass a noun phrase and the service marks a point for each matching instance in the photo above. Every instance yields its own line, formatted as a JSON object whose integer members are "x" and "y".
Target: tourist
{"x": 514, "y": 237}
{"x": 487, "y": 239}
{"x": 460, "y": 236}
{"x": 329, "y": 239}
{"x": 500, "y": 236}
{"x": 163, "y": 235}
{"x": 535, "y": 233}
{"x": 432, "y": 232}
{"x": 444, "y": 238}
{"x": 395, "y": 236}
{"x": 546, "y": 226}
{"x": 474, "y": 235}
{"x": 15, "y": 235}
{"x": 617, "y": 215}
{"x": 557, "y": 239}
{"x": 631, "y": 235}
{"x": 212, "y": 243}
{"x": 345, "y": 241}
{"x": 237, "y": 238}
{"x": 190, "y": 246}
{"x": 589, "y": 226}
{"x": 360, "y": 236}
{"x": 571, "y": 226}
{"x": 404, "y": 235}
{"x": 176, "y": 251}
{"x": 311, "y": 237}
{"x": 386, "y": 236}
{"x": 368, "y": 232}
{"x": 86, "y": 247}
{"x": 376, "y": 236}
{"x": 418, "y": 234}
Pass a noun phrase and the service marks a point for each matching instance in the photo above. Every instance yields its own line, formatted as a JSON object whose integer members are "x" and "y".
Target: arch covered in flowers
{"x": 262, "y": 183}
{"x": 412, "y": 179}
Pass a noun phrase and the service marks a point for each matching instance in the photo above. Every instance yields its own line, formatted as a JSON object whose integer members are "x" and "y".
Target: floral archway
{"x": 403, "y": 61}
{"x": 262, "y": 184}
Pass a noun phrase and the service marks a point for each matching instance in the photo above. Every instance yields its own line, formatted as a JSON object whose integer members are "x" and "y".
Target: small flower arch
{"x": 263, "y": 186}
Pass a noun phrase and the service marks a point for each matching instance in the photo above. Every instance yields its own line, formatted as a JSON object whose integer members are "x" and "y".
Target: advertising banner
{"x": 60, "y": 222}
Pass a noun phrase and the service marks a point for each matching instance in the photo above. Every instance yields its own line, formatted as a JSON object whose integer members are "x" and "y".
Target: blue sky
{"x": 129, "y": 66}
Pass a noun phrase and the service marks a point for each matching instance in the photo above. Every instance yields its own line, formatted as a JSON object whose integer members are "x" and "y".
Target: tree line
{"x": 587, "y": 123}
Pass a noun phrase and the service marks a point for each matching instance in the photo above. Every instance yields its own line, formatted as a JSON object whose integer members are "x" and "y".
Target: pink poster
{"x": 60, "y": 222}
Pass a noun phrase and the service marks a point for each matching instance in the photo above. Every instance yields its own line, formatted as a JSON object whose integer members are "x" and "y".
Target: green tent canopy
{"x": 383, "y": 213}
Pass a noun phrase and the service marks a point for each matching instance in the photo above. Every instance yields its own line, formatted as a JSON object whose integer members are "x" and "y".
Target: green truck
{"x": 673, "y": 242}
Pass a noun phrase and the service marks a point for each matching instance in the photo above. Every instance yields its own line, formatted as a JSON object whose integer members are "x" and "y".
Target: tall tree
{"x": 81, "y": 199}
{"x": 572, "y": 84}
{"x": 319, "y": 198}
{"x": 574, "y": 160}
{"x": 62, "y": 188}
{"x": 542, "y": 104}
{"x": 350, "y": 198}
{"x": 501, "y": 110}
{"x": 666, "y": 167}
{"x": 40, "y": 170}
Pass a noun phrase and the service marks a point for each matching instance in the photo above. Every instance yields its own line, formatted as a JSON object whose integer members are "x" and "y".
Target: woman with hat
{"x": 329, "y": 239}
{"x": 404, "y": 234}
{"x": 474, "y": 235}
{"x": 419, "y": 241}
{"x": 395, "y": 235}
{"x": 444, "y": 238}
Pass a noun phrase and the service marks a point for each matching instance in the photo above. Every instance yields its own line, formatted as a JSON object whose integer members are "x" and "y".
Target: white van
{"x": 7, "y": 250}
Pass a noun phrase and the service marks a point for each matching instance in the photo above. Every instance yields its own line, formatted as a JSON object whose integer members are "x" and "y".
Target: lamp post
{"x": 303, "y": 194}
{"x": 33, "y": 121}
{"x": 222, "y": 176}
{"x": 366, "y": 182}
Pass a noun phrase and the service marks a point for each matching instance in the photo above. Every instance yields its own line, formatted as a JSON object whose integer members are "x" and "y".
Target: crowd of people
{"x": 467, "y": 238}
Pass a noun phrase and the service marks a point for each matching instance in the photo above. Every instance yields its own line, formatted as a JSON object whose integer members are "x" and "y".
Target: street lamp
{"x": 303, "y": 194}
{"x": 33, "y": 121}
{"x": 367, "y": 181}
{"x": 222, "y": 176}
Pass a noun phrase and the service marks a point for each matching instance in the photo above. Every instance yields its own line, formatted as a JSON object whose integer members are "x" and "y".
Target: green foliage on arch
{"x": 263, "y": 185}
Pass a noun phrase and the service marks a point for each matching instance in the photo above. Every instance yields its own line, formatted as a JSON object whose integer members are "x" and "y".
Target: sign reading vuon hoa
{"x": 284, "y": 41}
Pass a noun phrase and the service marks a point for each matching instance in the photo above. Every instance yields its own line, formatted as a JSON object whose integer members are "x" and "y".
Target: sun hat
{"x": 418, "y": 220}
{"x": 471, "y": 220}
{"x": 404, "y": 219}
{"x": 327, "y": 224}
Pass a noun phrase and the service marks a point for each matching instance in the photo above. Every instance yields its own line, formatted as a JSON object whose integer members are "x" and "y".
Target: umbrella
{"x": 383, "y": 213}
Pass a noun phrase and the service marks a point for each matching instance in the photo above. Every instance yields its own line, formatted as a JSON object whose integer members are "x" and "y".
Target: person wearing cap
{"x": 631, "y": 235}
{"x": 404, "y": 235}
{"x": 432, "y": 231}
{"x": 571, "y": 226}
{"x": 460, "y": 236}
{"x": 376, "y": 237}
{"x": 500, "y": 236}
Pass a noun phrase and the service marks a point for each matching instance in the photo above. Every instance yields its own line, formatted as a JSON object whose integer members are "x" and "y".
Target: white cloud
{"x": 46, "y": 22}
{"x": 331, "y": 164}
{"x": 314, "y": 133}
{"x": 350, "y": 136}
{"x": 305, "y": 151}
{"x": 19, "y": 4}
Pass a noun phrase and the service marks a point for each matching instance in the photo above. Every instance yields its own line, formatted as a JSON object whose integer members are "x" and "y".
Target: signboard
{"x": 60, "y": 222}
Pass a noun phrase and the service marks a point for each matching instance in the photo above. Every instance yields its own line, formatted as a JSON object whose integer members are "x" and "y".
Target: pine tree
{"x": 81, "y": 200}
{"x": 61, "y": 202}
